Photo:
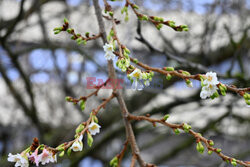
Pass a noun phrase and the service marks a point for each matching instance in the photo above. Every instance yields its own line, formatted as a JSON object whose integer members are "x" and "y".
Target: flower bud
{"x": 156, "y": 18}
{"x": 177, "y": 131}
{"x": 82, "y": 105}
{"x": 84, "y": 42}
{"x": 215, "y": 95}
{"x": 159, "y": 26}
{"x": 218, "y": 150}
{"x": 210, "y": 152}
{"x": 125, "y": 9}
{"x": 211, "y": 143}
{"x": 189, "y": 83}
{"x": 186, "y": 73}
{"x": 161, "y": 19}
{"x": 87, "y": 34}
{"x": 79, "y": 41}
{"x": 69, "y": 151}
{"x": 95, "y": 119}
{"x": 144, "y": 17}
{"x": 151, "y": 73}
{"x": 126, "y": 17}
{"x": 247, "y": 96}
{"x": 70, "y": 30}
{"x": 57, "y": 32}
{"x": 65, "y": 20}
{"x": 200, "y": 147}
{"x": 233, "y": 162}
{"x": 127, "y": 50}
{"x": 184, "y": 26}
{"x": 186, "y": 127}
{"x": 171, "y": 24}
{"x": 169, "y": 68}
{"x": 68, "y": 99}
{"x": 135, "y": 61}
{"x": 89, "y": 139}
{"x": 111, "y": 14}
{"x": 135, "y": 6}
{"x": 168, "y": 77}
{"x": 79, "y": 128}
{"x": 58, "y": 28}
{"x": 114, "y": 162}
{"x": 223, "y": 89}
{"x": 166, "y": 117}
{"x": 60, "y": 147}
{"x": 61, "y": 154}
{"x": 108, "y": 38}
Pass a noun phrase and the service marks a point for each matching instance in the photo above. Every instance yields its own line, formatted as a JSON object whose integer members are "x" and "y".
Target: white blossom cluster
{"x": 47, "y": 156}
{"x": 109, "y": 49}
{"x": 209, "y": 85}
{"x": 93, "y": 128}
{"x": 22, "y": 159}
{"x": 140, "y": 79}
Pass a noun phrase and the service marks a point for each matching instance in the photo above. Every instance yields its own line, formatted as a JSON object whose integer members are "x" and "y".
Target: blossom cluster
{"x": 109, "y": 49}
{"x": 209, "y": 85}
{"x": 23, "y": 159}
{"x": 93, "y": 129}
{"x": 46, "y": 155}
{"x": 138, "y": 78}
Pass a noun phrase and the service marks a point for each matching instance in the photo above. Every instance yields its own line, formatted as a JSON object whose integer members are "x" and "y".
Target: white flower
{"x": 208, "y": 91}
{"x": 54, "y": 158}
{"x": 146, "y": 82}
{"x": 77, "y": 145}
{"x": 136, "y": 74}
{"x": 19, "y": 159}
{"x": 209, "y": 85}
{"x": 94, "y": 128}
{"x": 108, "y": 48}
{"x": 190, "y": 85}
{"x": 109, "y": 56}
{"x": 211, "y": 78}
{"x": 47, "y": 156}
{"x": 35, "y": 158}
{"x": 137, "y": 84}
